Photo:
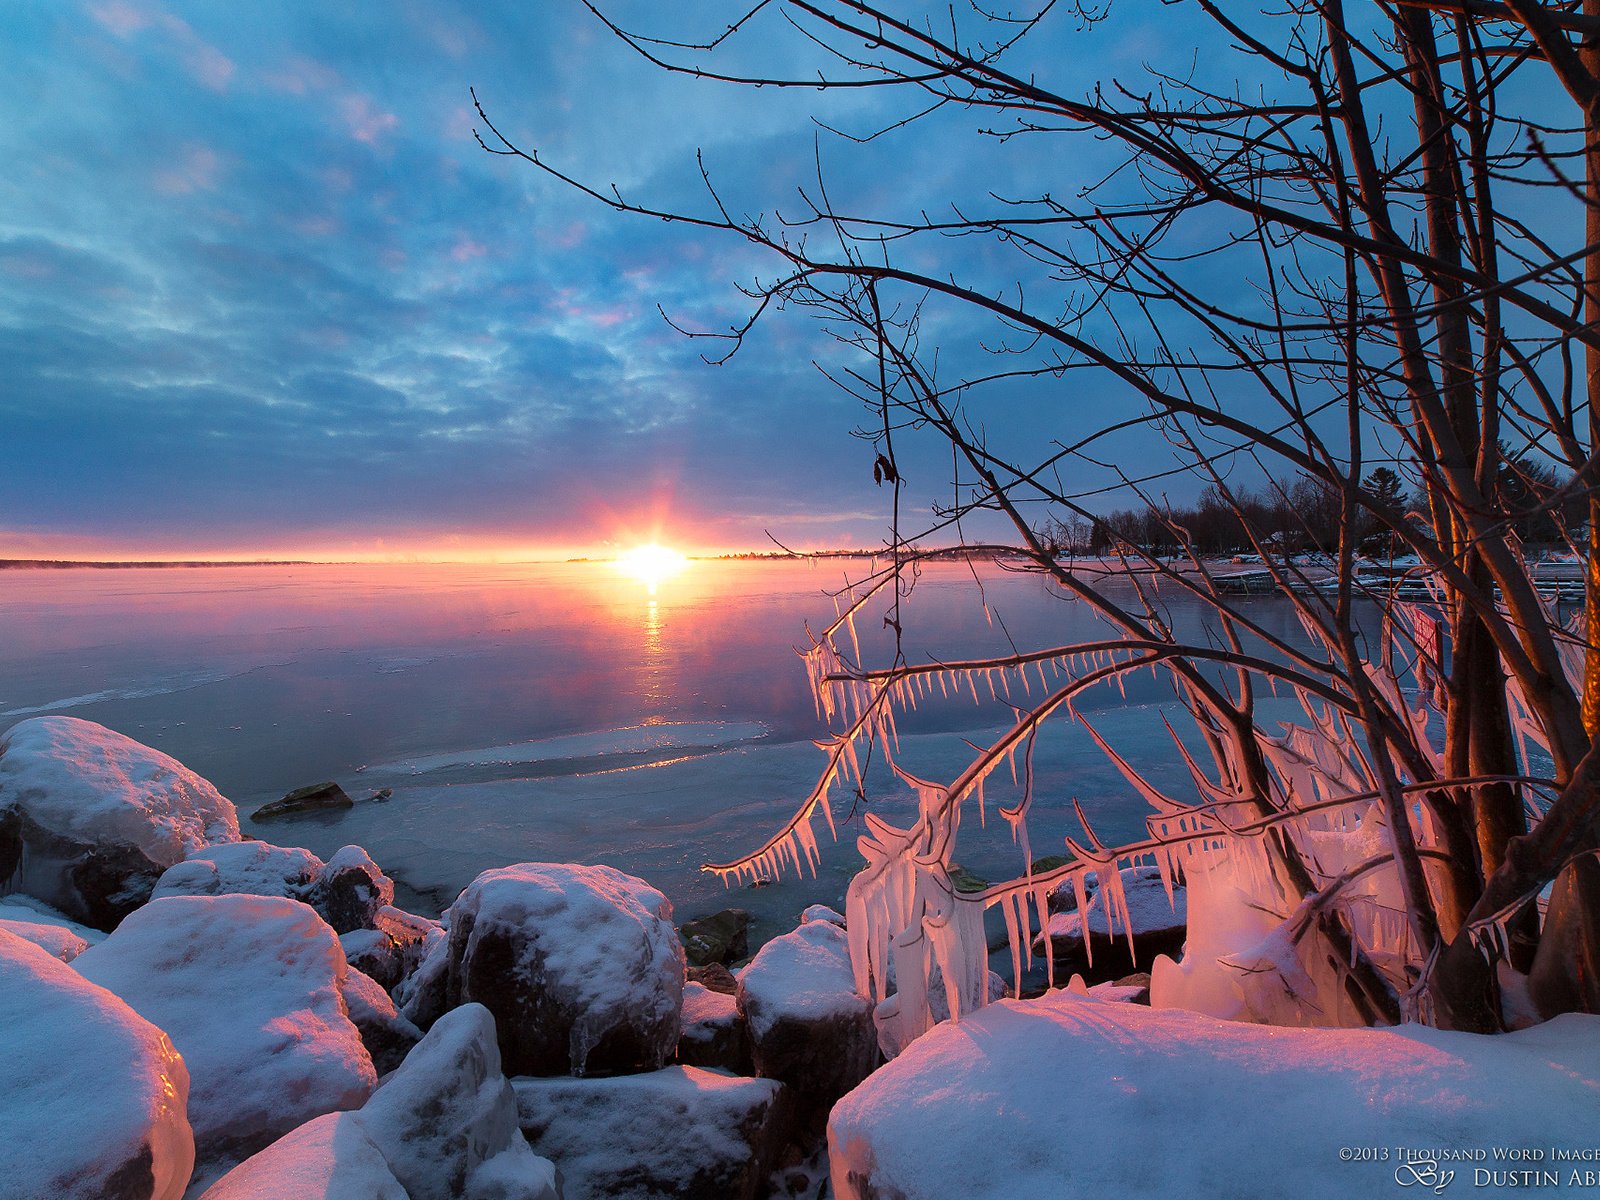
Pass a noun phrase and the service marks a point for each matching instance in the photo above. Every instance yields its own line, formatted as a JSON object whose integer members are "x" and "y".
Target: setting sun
{"x": 651, "y": 563}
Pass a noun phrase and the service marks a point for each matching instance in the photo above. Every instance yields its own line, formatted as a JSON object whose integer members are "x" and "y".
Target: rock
{"x": 443, "y": 1125}
{"x": 317, "y": 797}
{"x": 808, "y": 1026}
{"x": 330, "y": 1158}
{"x": 974, "y": 1108}
{"x": 35, "y": 921}
{"x": 713, "y": 1033}
{"x": 714, "y": 976}
{"x": 580, "y": 966}
{"x": 349, "y": 891}
{"x": 423, "y": 996}
{"x": 249, "y": 989}
{"x": 447, "y": 1121}
{"x": 821, "y": 912}
{"x": 394, "y": 949}
{"x": 681, "y": 1132}
{"x": 90, "y": 819}
{"x": 95, "y": 1094}
{"x": 723, "y": 937}
{"x": 387, "y": 1035}
{"x": 1159, "y": 927}
{"x": 352, "y": 890}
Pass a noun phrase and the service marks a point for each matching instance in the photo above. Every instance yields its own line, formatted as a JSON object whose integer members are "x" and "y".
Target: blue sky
{"x": 261, "y": 292}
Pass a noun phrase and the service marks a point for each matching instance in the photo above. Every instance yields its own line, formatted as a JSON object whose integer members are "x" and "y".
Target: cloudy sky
{"x": 262, "y": 294}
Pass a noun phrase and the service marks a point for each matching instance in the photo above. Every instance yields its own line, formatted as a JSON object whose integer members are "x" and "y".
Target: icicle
{"x": 1012, "y": 939}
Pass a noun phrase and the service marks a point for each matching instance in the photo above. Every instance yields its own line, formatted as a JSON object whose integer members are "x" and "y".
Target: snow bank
{"x": 681, "y": 1131}
{"x": 89, "y": 819}
{"x": 249, "y": 989}
{"x": 1068, "y": 1096}
{"x": 95, "y": 1094}
{"x": 580, "y": 966}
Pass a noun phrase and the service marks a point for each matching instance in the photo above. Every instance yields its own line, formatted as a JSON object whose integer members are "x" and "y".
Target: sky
{"x": 262, "y": 294}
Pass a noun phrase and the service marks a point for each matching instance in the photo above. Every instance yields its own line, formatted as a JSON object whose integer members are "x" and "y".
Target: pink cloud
{"x": 467, "y": 249}
{"x": 195, "y": 171}
{"x": 208, "y": 65}
{"x": 367, "y": 122}
{"x": 120, "y": 17}
{"x": 299, "y": 76}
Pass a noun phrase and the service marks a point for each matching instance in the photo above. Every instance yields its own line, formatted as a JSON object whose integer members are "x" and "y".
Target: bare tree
{"x": 1379, "y": 251}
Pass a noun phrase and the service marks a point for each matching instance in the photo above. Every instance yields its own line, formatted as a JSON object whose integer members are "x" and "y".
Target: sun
{"x": 651, "y": 563}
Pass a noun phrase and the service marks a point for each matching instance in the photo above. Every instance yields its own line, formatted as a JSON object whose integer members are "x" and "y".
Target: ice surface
{"x": 606, "y": 743}
{"x": 249, "y": 989}
{"x": 95, "y": 1094}
{"x": 1071, "y": 1096}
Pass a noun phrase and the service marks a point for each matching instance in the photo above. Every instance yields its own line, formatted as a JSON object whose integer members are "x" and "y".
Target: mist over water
{"x": 565, "y": 712}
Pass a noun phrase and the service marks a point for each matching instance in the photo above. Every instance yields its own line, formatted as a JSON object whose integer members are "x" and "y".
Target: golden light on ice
{"x": 651, "y": 563}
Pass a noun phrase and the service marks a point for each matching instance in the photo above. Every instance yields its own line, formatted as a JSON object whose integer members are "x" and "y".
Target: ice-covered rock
{"x": 682, "y": 1131}
{"x": 249, "y": 988}
{"x": 713, "y": 1032}
{"x": 386, "y": 1034}
{"x": 447, "y": 1121}
{"x": 394, "y": 948}
{"x": 1095, "y": 939}
{"x": 580, "y": 966}
{"x": 330, "y": 1158}
{"x": 90, "y": 819}
{"x": 95, "y": 1094}
{"x": 808, "y": 1025}
{"x": 423, "y": 996}
{"x": 348, "y": 890}
{"x": 1168, "y": 1103}
{"x": 821, "y": 912}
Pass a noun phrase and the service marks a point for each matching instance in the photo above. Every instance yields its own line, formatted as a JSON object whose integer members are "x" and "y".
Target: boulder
{"x": 1159, "y": 926}
{"x": 423, "y": 996}
{"x": 444, "y": 1125}
{"x": 90, "y": 819}
{"x": 716, "y": 977}
{"x": 580, "y": 966}
{"x": 36, "y": 922}
{"x": 348, "y": 890}
{"x": 681, "y": 1132}
{"x": 316, "y": 797}
{"x": 821, "y": 912}
{"x": 808, "y": 1025}
{"x": 713, "y": 1033}
{"x": 394, "y": 948}
{"x": 330, "y": 1158}
{"x": 249, "y": 987}
{"x": 351, "y": 890}
{"x": 387, "y": 1035}
{"x": 447, "y": 1121}
{"x": 95, "y": 1094}
{"x": 975, "y": 1108}
{"x": 723, "y": 937}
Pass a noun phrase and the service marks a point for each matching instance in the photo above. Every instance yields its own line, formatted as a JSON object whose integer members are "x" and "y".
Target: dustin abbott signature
{"x": 1424, "y": 1172}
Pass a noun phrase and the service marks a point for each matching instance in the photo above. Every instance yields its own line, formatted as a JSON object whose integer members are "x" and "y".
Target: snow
{"x": 447, "y": 1121}
{"x": 84, "y": 781}
{"x": 1042, "y": 1097}
{"x": 387, "y": 1035}
{"x": 95, "y": 1094}
{"x": 35, "y": 921}
{"x": 681, "y": 1131}
{"x": 249, "y": 989}
{"x": 821, "y": 912}
{"x": 249, "y": 868}
{"x": 703, "y": 1007}
{"x": 804, "y": 975}
{"x": 573, "y": 961}
{"x": 330, "y": 1158}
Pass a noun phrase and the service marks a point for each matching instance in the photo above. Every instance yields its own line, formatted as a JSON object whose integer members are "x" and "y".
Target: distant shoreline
{"x": 89, "y": 564}
{"x": 73, "y": 564}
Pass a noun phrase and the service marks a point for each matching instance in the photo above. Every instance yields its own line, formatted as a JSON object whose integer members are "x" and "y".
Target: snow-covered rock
{"x": 95, "y": 1094}
{"x": 348, "y": 890}
{"x": 821, "y": 912}
{"x": 36, "y": 922}
{"x": 394, "y": 948}
{"x": 248, "y": 987}
{"x": 387, "y": 1035}
{"x": 1169, "y": 1103}
{"x": 808, "y": 1025}
{"x": 423, "y": 995}
{"x": 447, "y": 1121}
{"x": 330, "y": 1158}
{"x": 90, "y": 819}
{"x": 713, "y": 1032}
{"x": 580, "y": 966}
{"x": 682, "y": 1131}
{"x": 442, "y": 1127}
